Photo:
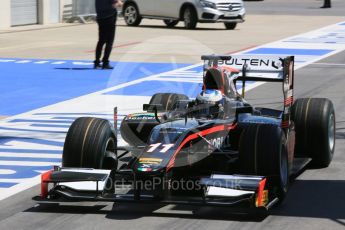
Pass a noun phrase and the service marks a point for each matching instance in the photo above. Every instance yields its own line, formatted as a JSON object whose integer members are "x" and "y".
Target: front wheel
{"x": 230, "y": 25}
{"x": 263, "y": 152}
{"x": 131, "y": 15}
{"x": 170, "y": 22}
{"x": 190, "y": 18}
{"x": 90, "y": 143}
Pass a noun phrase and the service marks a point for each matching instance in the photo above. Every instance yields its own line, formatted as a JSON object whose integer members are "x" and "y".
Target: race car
{"x": 215, "y": 149}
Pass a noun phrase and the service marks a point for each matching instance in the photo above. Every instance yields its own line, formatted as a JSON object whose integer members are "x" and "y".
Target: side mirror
{"x": 153, "y": 107}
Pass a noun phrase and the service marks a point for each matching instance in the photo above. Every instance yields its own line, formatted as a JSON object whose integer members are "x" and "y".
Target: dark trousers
{"x": 327, "y": 3}
{"x": 106, "y": 35}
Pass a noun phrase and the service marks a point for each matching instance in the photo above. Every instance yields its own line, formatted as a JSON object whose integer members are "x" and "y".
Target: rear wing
{"x": 260, "y": 68}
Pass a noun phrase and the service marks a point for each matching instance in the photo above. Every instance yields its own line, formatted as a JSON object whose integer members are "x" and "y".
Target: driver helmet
{"x": 210, "y": 101}
{"x": 210, "y": 96}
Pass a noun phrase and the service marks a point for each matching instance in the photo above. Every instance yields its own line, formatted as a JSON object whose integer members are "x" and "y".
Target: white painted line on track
{"x": 58, "y": 63}
{"x": 6, "y": 171}
{"x": 41, "y": 62}
{"x": 6, "y": 60}
{"x": 23, "y": 61}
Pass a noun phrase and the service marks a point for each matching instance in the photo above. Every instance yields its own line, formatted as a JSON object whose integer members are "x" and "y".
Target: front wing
{"x": 77, "y": 184}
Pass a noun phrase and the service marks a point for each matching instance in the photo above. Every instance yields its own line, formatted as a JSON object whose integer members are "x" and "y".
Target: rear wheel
{"x": 131, "y": 15}
{"x": 90, "y": 143}
{"x": 170, "y": 22}
{"x": 230, "y": 25}
{"x": 263, "y": 152}
{"x": 190, "y": 17}
{"x": 314, "y": 120}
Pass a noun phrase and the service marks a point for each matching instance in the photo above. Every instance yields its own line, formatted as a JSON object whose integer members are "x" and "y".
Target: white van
{"x": 229, "y": 12}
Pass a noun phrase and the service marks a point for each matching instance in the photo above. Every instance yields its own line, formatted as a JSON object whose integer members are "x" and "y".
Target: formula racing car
{"x": 215, "y": 149}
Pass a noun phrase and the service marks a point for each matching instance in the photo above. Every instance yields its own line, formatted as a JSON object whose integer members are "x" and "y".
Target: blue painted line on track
{"x": 28, "y": 151}
{"x": 30, "y": 130}
{"x": 74, "y": 114}
{"x": 28, "y": 86}
{"x": 22, "y": 172}
{"x": 148, "y": 88}
{"x": 5, "y": 139}
{"x": 39, "y": 121}
{"x": 7, "y": 184}
{"x": 190, "y": 89}
{"x": 30, "y": 159}
{"x": 70, "y": 119}
{"x": 281, "y": 51}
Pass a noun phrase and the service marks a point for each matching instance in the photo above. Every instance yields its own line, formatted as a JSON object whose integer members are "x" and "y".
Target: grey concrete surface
{"x": 152, "y": 41}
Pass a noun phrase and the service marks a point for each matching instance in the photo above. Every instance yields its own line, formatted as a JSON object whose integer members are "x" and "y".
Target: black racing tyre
{"x": 314, "y": 120}
{"x": 170, "y": 22}
{"x": 263, "y": 151}
{"x": 167, "y": 100}
{"x": 190, "y": 17}
{"x": 90, "y": 143}
{"x": 131, "y": 14}
{"x": 230, "y": 25}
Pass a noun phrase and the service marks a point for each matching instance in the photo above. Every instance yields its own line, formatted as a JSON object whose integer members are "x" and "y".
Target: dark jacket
{"x": 105, "y": 9}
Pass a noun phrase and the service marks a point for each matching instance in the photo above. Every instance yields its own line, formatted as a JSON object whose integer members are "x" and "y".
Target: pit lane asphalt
{"x": 316, "y": 199}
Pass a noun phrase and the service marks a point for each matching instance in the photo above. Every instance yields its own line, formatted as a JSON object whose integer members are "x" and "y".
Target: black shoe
{"x": 325, "y": 7}
{"x": 97, "y": 65}
{"x": 107, "y": 66}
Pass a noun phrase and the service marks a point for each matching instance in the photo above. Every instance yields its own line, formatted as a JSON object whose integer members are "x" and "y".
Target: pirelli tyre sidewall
{"x": 314, "y": 120}
{"x": 90, "y": 143}
{"x": 263, "y": 152}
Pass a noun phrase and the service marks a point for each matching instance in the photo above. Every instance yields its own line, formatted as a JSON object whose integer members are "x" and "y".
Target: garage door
{"x": 24, "y": 12}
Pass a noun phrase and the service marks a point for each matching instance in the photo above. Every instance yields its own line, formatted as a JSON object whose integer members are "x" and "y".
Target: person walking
{"x": 326, "y": 4}
{"x": 106, "y": 20}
